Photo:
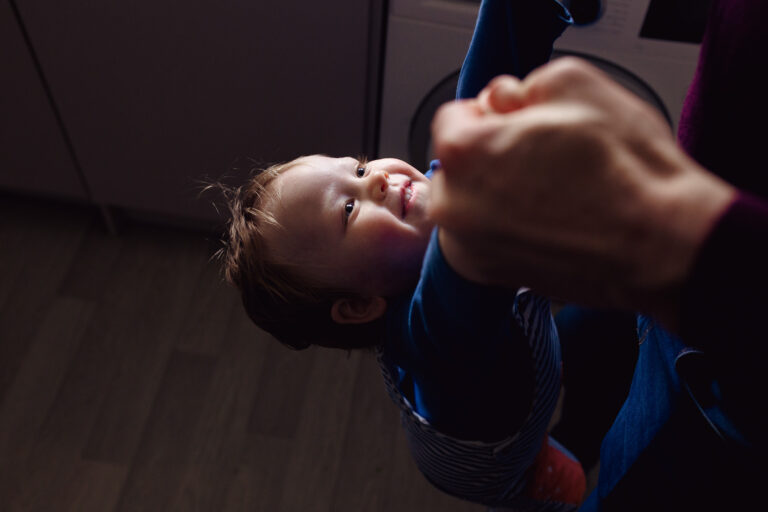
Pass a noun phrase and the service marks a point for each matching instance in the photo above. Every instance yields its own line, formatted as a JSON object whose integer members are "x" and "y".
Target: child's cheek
{"x": 381, "y": 240}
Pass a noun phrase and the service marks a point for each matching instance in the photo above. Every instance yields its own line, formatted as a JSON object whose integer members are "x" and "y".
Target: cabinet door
{"x": 33, "y": 155}
{"x": 158, "y": 94}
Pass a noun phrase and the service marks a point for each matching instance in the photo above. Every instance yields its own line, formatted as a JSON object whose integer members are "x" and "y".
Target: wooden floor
{"x": 131, "y": 379}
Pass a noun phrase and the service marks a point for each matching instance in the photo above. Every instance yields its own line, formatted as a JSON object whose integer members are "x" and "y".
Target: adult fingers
{"x": 505, "y": 94}
{"x": 455, "y": 128}
{"x": 564, "y": 78}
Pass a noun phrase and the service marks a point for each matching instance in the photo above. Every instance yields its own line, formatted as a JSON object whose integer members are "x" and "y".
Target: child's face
{"x": 358, "y": 227}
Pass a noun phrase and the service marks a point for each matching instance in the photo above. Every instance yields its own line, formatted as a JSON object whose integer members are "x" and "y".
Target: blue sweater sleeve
{"x": 510, "y": 37}
{"x": 464, "y": 360}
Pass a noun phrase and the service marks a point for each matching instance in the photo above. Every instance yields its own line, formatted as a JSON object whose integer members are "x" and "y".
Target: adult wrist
{"x": 724, "y": 295}
{"x": 685, "y": 209}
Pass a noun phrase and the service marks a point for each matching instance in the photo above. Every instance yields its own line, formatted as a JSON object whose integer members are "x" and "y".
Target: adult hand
{"x": 569, "y": 184}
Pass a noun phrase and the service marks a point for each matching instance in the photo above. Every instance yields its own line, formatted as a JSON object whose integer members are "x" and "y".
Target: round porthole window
{"x": 420, "y": 139}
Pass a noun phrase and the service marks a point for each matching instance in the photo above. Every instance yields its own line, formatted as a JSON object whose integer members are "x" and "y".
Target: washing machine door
{"x": 420, "y": 138}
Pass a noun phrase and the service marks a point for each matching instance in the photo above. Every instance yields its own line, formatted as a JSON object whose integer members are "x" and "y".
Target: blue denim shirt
{"x": 672, "y": 439}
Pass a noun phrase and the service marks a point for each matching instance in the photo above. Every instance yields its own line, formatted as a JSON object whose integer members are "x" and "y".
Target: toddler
{"x": 341, "y": 253}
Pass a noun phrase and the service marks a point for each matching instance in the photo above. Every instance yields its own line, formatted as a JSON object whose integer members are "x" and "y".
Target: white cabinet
{"x": 33, "y": 153}
{"x": 156, "y": 95}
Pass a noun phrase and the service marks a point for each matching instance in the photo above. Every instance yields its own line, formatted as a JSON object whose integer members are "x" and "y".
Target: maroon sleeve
{"x": 725, "y": 301}
{"x": 723, "y": 127}
{"x": 725, "y": 310}
{"x": 723, "y": 122}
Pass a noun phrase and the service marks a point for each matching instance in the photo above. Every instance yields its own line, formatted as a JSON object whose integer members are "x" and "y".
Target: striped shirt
{"x": 491, "y": 473}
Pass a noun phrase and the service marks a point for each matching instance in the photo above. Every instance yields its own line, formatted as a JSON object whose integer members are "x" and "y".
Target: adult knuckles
{"x": 505, "y": 93}
{"x": 562, "y": 75}
{"x": 572, "y": 69}
{"x": 453, "y": 134}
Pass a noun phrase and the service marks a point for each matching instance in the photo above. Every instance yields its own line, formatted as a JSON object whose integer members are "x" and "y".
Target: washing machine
{"x": 649, "y": 46}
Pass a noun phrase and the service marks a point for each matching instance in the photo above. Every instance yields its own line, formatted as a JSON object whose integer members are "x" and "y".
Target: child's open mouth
{"x": 407, "y": 195}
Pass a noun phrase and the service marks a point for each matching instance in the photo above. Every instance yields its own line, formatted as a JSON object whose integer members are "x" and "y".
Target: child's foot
{"x": 556, "y": 475}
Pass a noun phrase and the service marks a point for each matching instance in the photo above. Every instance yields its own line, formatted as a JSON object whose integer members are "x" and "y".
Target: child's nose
{"x": 380, "y": 184}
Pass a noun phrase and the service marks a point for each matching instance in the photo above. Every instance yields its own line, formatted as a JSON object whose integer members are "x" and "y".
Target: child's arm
{"x": 471, "y": 354}
{"x": 511, "y": 37}
{"x": 470, "y": 366}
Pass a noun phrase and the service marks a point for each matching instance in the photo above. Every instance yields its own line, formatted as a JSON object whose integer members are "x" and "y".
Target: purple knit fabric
{"x": 724, "y": 117}
{"x": 723, "y": 126}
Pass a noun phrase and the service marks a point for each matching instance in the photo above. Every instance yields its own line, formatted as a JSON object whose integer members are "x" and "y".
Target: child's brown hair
{"x": 294, "y": 310}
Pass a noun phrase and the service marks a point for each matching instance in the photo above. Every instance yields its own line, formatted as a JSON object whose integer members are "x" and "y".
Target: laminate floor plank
{"x": 315, "y": 458}
{"x": 259, "y": 483}
{"x": 94, "y": 265}
{"x": 158, "y": 469}
{"x": 366, "y": 460}
{"x": 70, "y": 420}
{"x": 117, "y": 327}
{"x": 93, "y": 486}
{"x": 14, "y": 228}
{"x": 222, "y": 432}
{"x": 131, "y": 379}
{"x": 282, "y": 391}
{"x": 211, "y": 306}
{"x": 61, "y": 481}
{"x": 30, "y": 231}
{"x": 45, "y": 244}
{"x": 34, "y": 388}
{"x": 204, "y": 488}
{"x": 220, "y": 439}
{"x": 158, "y": 299}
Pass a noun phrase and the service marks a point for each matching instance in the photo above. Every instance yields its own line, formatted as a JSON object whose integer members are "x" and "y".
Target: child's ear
{"x": 358, "y": 310}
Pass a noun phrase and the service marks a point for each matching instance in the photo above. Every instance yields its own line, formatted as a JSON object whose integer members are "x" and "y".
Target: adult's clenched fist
{"x": 568, "y": 183}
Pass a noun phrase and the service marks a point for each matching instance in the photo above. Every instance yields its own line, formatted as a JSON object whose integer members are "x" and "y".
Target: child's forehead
{"x": 323, "y": 163}
{"x": 301, "y": 195}
{"x": 316, "y": 170}
{"x": 298, "y": 206}
{"x": 310, "y": 168}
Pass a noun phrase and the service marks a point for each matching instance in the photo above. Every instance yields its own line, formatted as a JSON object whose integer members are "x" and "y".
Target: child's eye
{"x": 349, "y": 206}
{"x": 360, "y": 171}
